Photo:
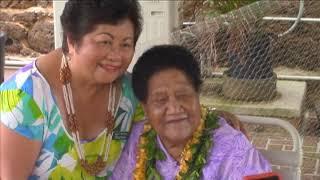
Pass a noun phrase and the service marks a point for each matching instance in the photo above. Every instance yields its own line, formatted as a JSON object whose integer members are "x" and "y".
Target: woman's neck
{"x": 89, "y": 90}
{"x": 86, "y": 87}
{"x": 173, "y": 148}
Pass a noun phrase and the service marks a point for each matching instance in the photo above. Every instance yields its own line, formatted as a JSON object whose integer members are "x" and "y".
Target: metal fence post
{"x": 3, "y": 39}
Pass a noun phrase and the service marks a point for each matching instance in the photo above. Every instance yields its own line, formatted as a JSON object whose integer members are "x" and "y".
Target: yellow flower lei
{"x": 199, "y": 144}
{"x": 186, "y": 154}
{"x": 141, "y": 160}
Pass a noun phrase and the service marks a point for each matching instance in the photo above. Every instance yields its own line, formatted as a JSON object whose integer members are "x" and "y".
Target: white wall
{"x": 57, "y": 11}
{"x": 160, "y": 18}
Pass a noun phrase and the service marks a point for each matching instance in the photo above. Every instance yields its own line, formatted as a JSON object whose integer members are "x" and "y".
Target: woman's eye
{"x": 160, "y": 100}
{"x": 127, "y": 45}
{"x": 105, "y": 42}
{"x": 184, "y": 97}
{"x": 181, "y": 96}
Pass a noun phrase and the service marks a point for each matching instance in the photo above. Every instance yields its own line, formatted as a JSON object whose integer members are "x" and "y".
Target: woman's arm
{"x": 18, "y": 155}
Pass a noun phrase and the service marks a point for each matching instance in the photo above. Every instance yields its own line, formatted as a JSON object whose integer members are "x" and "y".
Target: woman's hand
{"x": 233, "y": 121}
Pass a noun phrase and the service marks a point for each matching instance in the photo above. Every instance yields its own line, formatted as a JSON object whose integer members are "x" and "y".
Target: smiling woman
{"x": 180, "y": 138}
{"x": 105, "y": 53}
{"x": 172, "y": 122}
{"x": 68, "y": 114}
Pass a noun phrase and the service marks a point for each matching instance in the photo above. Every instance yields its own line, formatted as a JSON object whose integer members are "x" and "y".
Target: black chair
{"x": 3, "y": 39}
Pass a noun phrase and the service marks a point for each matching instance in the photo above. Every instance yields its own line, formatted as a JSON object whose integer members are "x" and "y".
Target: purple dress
{"x": 231, "y": 158}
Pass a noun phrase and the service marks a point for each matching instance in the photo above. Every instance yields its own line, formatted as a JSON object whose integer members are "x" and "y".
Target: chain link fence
{"x": 249, "y": 68}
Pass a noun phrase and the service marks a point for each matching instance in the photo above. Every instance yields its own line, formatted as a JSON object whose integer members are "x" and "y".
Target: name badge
{"x": 120, "y": 135}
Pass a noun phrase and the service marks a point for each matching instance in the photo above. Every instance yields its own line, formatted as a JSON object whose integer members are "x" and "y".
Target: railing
{"x": 15, "y": 63}
{"x": 12, "y": 64}
{"x": 281, "y": 77}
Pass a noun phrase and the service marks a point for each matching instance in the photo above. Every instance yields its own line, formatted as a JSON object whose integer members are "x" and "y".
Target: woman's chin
{"x": 179, "y": 136}
{"x": 108, "y": 77}
{"x": 179, "y": 130}
{"x": 105, "y": 78}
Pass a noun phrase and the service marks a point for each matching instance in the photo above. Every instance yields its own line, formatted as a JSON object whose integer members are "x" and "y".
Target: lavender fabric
{"x": 231, "y": 158}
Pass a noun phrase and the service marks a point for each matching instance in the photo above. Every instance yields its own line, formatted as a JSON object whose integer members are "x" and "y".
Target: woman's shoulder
{"x": 22, "y": 98}
{"x": 126, "y": 82}
{"x": 127, "y": 91}
{"x": 225, "y": 129}
{"x": 126, "y": 78}
{"x": 33, "y": 73}
{"x": 22, "y": 80}
{"x": 228, "y": 137}
{"x": 231, "y": 148}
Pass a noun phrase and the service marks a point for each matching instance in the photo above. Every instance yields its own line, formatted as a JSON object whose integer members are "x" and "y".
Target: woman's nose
{"x": 115, "y": 54}
{"x": 174, "y": 106}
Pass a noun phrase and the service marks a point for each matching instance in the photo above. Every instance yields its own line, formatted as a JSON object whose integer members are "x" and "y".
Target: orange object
{"x": 264, "y": 176}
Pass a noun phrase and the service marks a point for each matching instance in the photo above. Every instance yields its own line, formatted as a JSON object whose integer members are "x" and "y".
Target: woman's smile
{"x": 177, "y": 125}
{"x": 110, "y": 68}
{"x": 176, "y": 118}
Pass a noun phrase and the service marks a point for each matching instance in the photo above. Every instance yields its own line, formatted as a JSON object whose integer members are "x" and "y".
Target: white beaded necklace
{"x": 100, "y": 164}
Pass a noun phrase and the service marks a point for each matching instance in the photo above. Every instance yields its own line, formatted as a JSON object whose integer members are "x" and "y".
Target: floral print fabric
{"x": 28, "y": 108}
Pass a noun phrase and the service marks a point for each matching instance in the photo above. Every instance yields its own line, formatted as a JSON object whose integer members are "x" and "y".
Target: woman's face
{"x": 105, "y": 53}
{"x": 172, "y": 106}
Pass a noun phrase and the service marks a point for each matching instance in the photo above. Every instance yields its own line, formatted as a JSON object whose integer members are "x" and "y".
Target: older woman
{"x": 68, "y": 114}
{"x": 180, "y": 139}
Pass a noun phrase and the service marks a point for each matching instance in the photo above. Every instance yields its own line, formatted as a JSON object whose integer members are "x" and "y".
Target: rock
{"x": 4, "y": 16}
{"x": 45, "y": 3}
{"x": 13, "y": 46}
{"x": 41, "y": 36}
{"x": 4, "y": 4}
{"x": 22, "y": 4}
{"x": 29, "y": 52}
{"x": 31, "y": 15}
{"x": 14, "y": 30}
{"x": 26, "y": 18}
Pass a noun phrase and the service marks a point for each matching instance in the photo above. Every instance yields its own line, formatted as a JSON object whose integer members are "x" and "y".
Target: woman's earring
{"x": 65, "y": 72}
{"x": 67, "y": 58}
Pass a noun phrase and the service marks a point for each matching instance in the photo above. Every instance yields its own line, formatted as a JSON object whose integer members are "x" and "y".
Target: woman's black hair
{"x": 163, "y": 57}
{"x": 79, "y": 17}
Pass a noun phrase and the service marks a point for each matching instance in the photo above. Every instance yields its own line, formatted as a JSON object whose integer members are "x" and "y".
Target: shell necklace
{"x": 100, "y": 164}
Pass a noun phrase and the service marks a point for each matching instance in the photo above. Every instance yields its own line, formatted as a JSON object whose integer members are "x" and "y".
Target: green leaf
{"x": 139, "y": 113}
{"x": 159, "y": 155}
{"x": 156, "y": 175}
{"x": 194, "y": 175}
